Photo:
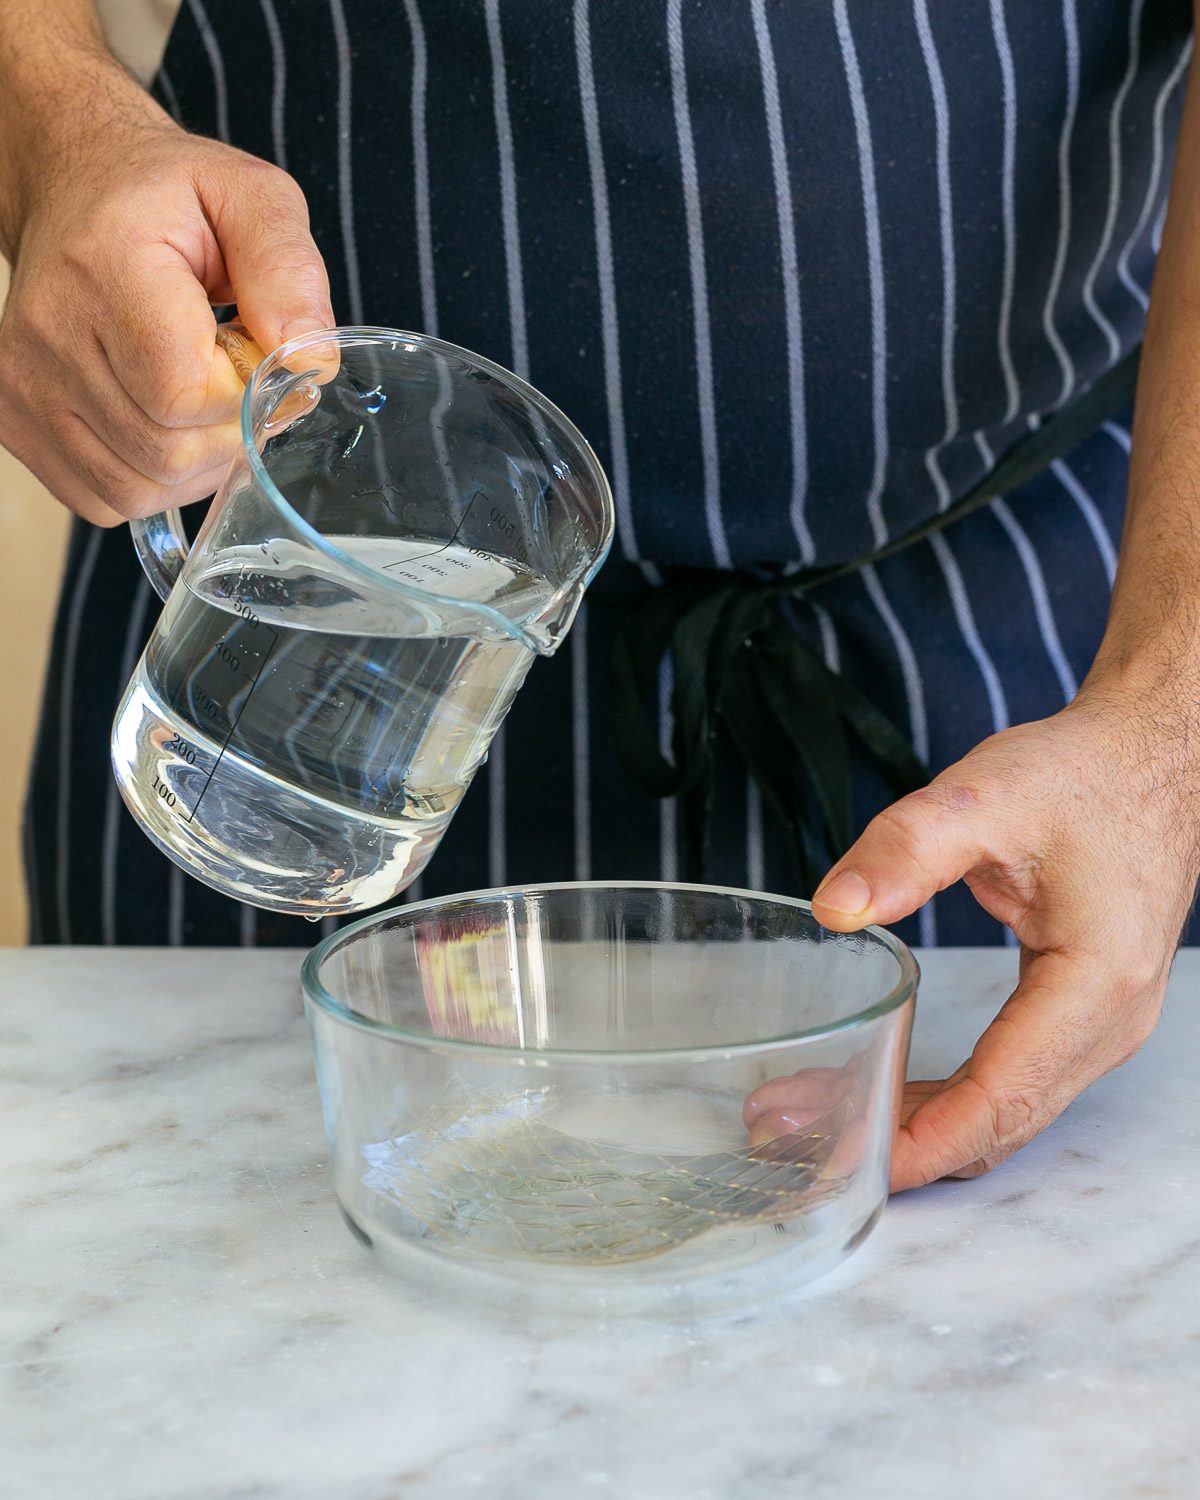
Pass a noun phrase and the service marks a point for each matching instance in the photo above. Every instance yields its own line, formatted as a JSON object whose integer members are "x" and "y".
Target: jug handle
{"x": 160, "y": 541}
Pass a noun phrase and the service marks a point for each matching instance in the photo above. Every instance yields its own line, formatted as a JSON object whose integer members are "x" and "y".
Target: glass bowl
{"x": 609, "y": 1090}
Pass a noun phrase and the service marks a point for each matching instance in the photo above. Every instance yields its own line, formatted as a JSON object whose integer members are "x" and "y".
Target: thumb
{"x": 916, "y": 847}
{"x": 1042, "y": 1050}
{"x": 260, "y": 218}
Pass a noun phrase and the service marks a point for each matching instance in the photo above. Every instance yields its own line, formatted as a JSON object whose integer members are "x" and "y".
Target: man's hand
{"x": 1080, "y": 834}
{"x": 124, "y": 230}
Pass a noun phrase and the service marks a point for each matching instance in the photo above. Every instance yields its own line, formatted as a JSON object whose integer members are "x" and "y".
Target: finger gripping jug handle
{"x": 160, "y": 540}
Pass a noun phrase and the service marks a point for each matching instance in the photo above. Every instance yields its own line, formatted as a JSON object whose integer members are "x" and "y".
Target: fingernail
{"x": 299, "y": 326}
{"x": 759, "y": 1135}
{"x": 846, "y": 892}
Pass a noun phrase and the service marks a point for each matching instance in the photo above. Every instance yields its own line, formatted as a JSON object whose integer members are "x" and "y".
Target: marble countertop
{"x": 183, "y": 1315}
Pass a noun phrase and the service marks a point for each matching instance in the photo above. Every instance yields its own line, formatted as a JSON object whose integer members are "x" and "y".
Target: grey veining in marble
{"x": 183, "y": 1315}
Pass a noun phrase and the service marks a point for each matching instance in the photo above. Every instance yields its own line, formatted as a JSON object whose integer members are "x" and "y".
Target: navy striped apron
{"x": 800, "y": 269}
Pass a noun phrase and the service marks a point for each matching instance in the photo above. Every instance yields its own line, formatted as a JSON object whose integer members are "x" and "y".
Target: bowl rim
{"x": 317, "y": 995}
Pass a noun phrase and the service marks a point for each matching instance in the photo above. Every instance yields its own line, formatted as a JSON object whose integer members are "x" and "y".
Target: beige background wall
{"x": 33, "y": 530}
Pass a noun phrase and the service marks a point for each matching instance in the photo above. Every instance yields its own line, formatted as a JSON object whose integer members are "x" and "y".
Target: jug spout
{"x": 544, "y": 631}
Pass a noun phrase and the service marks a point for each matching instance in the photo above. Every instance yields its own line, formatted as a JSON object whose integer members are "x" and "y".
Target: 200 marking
{"x": 181, "y": 748}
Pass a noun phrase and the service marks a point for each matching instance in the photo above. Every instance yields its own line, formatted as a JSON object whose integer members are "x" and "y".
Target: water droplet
{"x": 309, "y": 918}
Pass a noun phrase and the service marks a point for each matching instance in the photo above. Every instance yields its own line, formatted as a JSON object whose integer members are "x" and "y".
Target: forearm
{"x": 57, "y": 80}
{"x": 1153, "y": 633}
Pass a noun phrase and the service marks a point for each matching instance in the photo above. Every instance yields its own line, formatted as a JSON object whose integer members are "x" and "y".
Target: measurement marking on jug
{"x": 417, "y": 557}
{"x": 205, "y": 703}
{"x": 235, "y": 661}
{"x": 246, "y": 613}
{"x": 181, "y": 748}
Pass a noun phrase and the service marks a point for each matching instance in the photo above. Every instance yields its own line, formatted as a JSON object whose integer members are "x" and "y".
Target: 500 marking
{"x": 248, "y": 580}
{"x": 503, "y": 522}
{"x": 507, "y": 528}
{"x": 246, "y": 613}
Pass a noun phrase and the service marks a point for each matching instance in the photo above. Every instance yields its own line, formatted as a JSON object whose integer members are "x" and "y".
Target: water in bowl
{"x": 538, "y": 1176}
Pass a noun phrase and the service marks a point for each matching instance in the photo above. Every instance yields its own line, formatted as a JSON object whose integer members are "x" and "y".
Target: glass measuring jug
{"x": 404, "y": 528}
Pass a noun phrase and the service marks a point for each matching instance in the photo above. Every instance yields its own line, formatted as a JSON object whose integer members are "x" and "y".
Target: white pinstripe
{"x": 508, "y": 193}
{"x": 914, "y": 692}
{"x": 756, "y": 877}
{"x": 989, "y": 462}
{"x": 1008, "y": 205}
{"x": 1114, "y": 184}
{"x": 112, "y": 800}
{"x": 668, "y": 855}
{"x": 866, "y": 162}
{"x": 941, "y": 115}
{"x": 609, "y": 331}
{"x": 168, "y": 88}
{"x": 437, "y": 421}
{"x": 914, "y": 689}
{"x": 66, "y": 690}
{"x": 421, "y": 211}
{"x": 965, "y": 617}
{"x": 437, "y": 430}
{"x": 313, "y": 704}
{"x": 580, "y": 750}
{"x": 1160, "y": 224}
{"x": 497, "y": 755}
{"x": 1119, "y": 436}
{"x": 789, "y": 266}
{"x": 701, "y": 328}
{"x": 345, "y": 179}
{"x": 175, "y": 897}
{"x": 985, "y": 451}
{"x": 278, "y": 82}
{"x": 35, "y": 927}
{"x": 1041, "y": 598}
{"x": 108, "y": 871}
{"x": 908, "y": 663}
{"x": 1095, "y": 523}
{"x": 1160, "y": 106}
{"x": 216, "y": 62}
{"x": 1065, "y": 363}
{"x": 829, "y": 640}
